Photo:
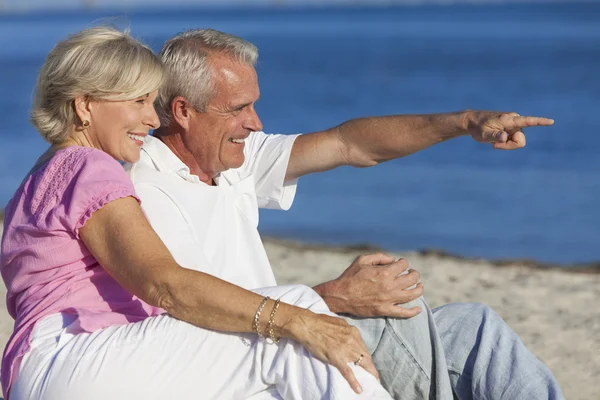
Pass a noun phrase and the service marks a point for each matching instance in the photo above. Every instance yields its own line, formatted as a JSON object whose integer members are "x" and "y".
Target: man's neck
{"x": 172, "y": 140}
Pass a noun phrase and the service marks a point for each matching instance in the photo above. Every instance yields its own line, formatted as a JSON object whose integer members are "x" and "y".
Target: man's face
{"x": 216, "y": 136}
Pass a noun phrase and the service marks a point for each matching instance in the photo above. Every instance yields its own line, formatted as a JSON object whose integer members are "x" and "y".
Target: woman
{"x": 89, "y": 281}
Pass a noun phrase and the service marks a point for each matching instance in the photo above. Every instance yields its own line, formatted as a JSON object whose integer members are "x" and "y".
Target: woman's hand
{"x": 334, "y": 341}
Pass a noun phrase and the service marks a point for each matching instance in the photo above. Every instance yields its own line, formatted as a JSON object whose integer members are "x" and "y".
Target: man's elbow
{"x": 359, "y": 159}
{"x": 353, "y": 155}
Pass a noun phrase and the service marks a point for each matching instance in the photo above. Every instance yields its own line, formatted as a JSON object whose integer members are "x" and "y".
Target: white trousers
{"x": 165, "y": 358}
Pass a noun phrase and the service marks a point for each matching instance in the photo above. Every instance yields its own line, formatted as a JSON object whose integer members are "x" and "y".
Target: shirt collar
{"x": 166, "y": 161}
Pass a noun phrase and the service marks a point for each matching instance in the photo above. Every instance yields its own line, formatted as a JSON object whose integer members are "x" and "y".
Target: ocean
{"x": 321, "y": 66}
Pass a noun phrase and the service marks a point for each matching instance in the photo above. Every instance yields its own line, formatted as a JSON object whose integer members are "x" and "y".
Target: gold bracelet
{"x": 256, "y": 323}
{"x": 269, "y": 328}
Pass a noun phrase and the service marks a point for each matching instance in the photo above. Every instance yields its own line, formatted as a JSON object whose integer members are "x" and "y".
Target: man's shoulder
{"x": 145, "y": 172}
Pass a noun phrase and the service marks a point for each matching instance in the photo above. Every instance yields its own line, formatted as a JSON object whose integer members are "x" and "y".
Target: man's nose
{"x": 253, "y": 122}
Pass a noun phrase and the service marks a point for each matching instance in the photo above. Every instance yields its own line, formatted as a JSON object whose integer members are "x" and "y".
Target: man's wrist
{"x": 328, "y": 291}
{"x": 453, "y": 125}
{"x": 466, "y": 121}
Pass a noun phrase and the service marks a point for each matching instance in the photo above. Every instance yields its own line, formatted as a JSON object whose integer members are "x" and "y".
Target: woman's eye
{"x": 140, "y": 101}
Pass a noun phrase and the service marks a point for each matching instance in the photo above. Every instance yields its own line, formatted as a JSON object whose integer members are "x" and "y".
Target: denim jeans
{"x": 462, "y": 349}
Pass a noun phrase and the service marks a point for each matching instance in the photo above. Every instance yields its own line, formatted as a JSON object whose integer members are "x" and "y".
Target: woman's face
{"x": 120, "y": 127}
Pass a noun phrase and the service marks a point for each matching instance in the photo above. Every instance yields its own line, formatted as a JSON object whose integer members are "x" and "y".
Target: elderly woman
{"x": 102, "y": 310}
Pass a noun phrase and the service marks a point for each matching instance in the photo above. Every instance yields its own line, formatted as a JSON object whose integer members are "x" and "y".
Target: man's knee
{"x": 467, "y": 318}
{"x": 479, "y": 312}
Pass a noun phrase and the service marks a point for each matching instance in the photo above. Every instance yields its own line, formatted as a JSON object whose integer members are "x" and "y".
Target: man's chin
{"x": 236, "y": 163}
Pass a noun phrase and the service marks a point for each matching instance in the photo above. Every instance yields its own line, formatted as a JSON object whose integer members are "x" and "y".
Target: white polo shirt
{"x": 213, "y": 229}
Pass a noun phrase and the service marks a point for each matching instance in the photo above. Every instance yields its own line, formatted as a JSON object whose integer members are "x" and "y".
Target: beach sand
{"x": 556, "y": 312}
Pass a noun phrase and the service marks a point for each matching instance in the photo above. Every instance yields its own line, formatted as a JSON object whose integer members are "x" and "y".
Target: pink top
{"x": 45, "y": 265}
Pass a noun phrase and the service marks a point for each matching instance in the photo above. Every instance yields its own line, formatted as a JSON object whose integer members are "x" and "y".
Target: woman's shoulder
{"x": 70, "y": 160}
{"x": 73, "y": 176}
{"x": 67, "y": 162}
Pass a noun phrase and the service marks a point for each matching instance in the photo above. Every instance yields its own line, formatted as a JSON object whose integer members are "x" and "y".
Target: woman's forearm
{"x": 209, "y": 302}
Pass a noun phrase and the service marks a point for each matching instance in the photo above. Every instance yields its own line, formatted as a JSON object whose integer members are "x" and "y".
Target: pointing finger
{"x": 522, "y": 122}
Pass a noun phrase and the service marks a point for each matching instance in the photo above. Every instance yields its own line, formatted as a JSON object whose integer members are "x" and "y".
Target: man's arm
{"x": 374, "y": 285}
{"x": 364, "y": 142}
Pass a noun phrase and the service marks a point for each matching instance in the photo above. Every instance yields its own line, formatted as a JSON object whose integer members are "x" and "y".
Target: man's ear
{"x": 181, "y": 109}
{"x": 82, "y": 108}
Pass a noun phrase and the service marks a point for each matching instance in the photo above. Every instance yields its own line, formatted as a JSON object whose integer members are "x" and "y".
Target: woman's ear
{"x": 82, "y": 109}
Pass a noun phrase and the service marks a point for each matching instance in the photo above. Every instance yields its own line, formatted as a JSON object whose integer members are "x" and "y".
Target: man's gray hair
{"x": 185, "y": 57}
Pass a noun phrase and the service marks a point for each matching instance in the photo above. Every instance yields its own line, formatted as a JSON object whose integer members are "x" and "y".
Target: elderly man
{"x": 208, "y": 169}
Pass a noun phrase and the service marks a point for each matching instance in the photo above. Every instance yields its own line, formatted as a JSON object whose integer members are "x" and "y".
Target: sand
{"x": 555, "y": 311}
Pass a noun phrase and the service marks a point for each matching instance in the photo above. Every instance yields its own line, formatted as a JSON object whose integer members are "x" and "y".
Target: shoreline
{"x": 592, "y": 267}
{"x": 584, "y": 268}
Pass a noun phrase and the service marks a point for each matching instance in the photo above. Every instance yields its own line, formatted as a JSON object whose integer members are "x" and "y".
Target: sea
{"x": 320, "y": 66}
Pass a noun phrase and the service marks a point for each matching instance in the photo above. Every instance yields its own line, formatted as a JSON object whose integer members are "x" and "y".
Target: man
{"x": 209, "y": 167}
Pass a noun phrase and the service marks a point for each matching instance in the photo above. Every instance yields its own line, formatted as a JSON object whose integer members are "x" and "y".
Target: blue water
{"x": 320, "y": 67}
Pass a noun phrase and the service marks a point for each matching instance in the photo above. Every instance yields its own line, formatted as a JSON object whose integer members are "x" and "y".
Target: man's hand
{"x": 373, "y": 286}
{"x": 504, "y": 130}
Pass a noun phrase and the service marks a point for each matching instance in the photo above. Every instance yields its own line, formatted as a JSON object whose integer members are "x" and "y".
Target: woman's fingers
{"x": 362, "y": 360}
{"x": 336, "y": 342}
{"x": 368, "y": 365}
{"x": 348, "y": 374}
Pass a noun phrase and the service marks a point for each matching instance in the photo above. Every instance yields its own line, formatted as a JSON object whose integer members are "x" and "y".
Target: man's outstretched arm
{"x": 364, "y": 142}
{"x": 375, "y": 285}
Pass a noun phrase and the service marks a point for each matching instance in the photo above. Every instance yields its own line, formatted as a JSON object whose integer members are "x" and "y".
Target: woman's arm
{"x": 120, "y": 237}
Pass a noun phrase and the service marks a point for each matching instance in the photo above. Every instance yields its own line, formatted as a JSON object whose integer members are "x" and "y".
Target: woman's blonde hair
{"x": 101, "y": 63}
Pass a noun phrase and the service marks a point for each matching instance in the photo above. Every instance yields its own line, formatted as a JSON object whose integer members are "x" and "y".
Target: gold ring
{"x": 359, "y": 359}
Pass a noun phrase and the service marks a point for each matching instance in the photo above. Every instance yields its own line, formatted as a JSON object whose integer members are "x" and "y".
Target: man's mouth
{"x": 238, "y": 141}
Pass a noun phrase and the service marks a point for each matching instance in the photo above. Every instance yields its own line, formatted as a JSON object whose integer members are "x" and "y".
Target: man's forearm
{"x": 372, "y": 140}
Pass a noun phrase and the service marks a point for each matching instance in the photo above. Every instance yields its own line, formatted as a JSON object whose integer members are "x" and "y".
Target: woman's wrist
{"x": 290, "y": 321}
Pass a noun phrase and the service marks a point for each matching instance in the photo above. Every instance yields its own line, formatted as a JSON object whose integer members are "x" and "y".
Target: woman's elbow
{"x": 161, "y": 295}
